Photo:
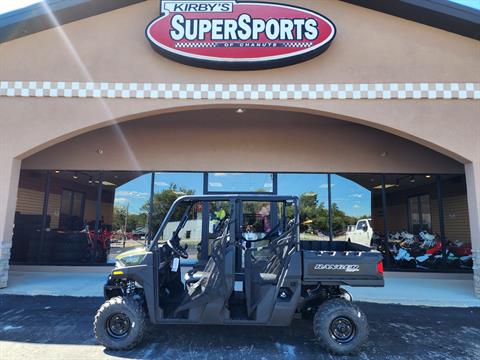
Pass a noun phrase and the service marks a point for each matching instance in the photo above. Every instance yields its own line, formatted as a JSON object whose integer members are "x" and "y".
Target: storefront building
{"x": 373, "y": 121}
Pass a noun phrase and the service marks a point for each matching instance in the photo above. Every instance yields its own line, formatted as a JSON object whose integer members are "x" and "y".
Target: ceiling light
{"x": 57, "y": 171}
{"x": 428, "y": 176}
{"x": 240, "y": 111}
{"x": 384, "y": 154}
{"x": 379, "y": 187}
{"x": 107, "y": 183}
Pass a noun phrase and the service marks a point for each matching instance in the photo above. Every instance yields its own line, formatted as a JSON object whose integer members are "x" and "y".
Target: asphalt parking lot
{"x": 45, "y": 327}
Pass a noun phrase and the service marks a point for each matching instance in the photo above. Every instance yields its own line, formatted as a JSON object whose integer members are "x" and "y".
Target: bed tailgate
{"x": 352, "y": 268}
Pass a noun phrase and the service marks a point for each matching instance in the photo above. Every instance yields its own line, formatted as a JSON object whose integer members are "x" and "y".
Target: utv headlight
{"x": 130, "y": 258}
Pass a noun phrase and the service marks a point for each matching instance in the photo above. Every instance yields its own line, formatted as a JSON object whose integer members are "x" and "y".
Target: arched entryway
{"x": 344, "y": 172}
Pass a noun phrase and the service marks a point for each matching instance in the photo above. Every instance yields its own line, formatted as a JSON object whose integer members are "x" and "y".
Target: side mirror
{"x": 365, "y": 228}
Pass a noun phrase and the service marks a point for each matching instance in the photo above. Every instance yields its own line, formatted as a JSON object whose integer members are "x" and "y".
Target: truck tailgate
{"x": 353, "y": 268}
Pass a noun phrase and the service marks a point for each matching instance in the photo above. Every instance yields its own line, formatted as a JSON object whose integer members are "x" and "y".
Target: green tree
{"x": 162, "y": 202}
{"x": 134, "y": 221}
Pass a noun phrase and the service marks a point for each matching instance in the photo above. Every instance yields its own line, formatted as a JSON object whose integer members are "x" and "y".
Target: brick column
{"x": 472, "y": 173}
{"x": 9, "y": 175}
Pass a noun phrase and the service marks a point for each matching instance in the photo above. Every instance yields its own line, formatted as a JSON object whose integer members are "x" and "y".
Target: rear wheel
{"x": 340, "y": 327}
{"x": 120, "y": 323}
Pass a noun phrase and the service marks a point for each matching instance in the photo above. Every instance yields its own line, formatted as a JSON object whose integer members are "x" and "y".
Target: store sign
{"x": 233, "y": 35}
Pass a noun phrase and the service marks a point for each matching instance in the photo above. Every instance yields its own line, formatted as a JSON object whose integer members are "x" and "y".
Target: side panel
{"x": 291, "y": 285}
{"x": 354, "y": 268}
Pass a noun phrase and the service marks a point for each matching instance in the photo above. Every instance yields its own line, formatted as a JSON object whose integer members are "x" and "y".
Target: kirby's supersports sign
{"x": 238, "y": 35}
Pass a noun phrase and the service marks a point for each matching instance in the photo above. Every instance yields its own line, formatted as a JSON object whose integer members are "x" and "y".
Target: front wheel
{"x": 340, "y": 327}
{"x": 120, "y": 323}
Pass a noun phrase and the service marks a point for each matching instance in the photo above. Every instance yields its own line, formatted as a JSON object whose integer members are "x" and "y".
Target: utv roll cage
{"x": 227, "y": 197}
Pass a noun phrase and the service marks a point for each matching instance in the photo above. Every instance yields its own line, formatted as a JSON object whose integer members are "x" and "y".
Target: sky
{"x": 350, "y": 197}
{"x": 10, "y": 5}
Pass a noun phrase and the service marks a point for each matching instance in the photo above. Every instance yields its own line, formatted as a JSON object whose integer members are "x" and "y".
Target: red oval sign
{"x": 238, "y": 35}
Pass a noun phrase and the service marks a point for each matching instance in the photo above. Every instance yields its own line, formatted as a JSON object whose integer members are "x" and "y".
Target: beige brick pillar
{"x": 472, "y": 172}
{"x": 9, "y": 175}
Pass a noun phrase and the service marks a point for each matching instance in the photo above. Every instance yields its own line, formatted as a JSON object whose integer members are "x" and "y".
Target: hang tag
{"x": 175, "y": 263}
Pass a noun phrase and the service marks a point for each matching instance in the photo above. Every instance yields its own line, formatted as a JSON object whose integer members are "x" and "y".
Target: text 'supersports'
{"x": 239, "y": 35}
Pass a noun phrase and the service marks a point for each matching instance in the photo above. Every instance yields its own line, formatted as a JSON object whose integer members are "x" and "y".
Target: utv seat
{"x": 260, "y": 275}
{"x": 194, "y": 275}
{"x": 208, "y": 286}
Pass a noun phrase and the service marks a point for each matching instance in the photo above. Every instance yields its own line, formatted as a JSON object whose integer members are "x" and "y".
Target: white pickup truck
{"x": 361, "y": 233}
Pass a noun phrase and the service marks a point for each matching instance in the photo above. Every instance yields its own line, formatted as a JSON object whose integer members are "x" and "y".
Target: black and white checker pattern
{"x": 374, "y": 91}
{"x": 195, "y": 45}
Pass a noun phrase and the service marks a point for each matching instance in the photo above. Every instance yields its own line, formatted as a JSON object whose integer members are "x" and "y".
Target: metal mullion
{"x": 97, "y": 214}
{"x": 330, "y": 215}
{"x": 150, "y": 208}
{"x": 441, "y": 215}
{"x": 40, "y": 257}
{"x": 385, "y": 220}
{"x": 275, "y": 183}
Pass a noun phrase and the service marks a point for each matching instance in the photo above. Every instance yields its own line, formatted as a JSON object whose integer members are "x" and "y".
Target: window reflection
{"x": 312, "y": 190}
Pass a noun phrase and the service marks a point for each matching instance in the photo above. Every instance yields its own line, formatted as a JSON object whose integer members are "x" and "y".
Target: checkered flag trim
{"x": 297, "y": 44}
{"x": 195, "y": 45}
{"x": 340, "y": 91}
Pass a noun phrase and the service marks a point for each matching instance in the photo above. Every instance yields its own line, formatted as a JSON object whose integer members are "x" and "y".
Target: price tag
{"x": 175, "y": 264}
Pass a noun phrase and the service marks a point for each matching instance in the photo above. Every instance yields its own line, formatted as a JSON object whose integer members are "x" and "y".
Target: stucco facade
{"x": 39, "y": 128}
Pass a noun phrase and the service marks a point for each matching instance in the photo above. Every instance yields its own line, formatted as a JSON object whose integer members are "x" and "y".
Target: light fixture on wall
{"x": 57, "y": 171}
{"x": 75, "y": 175}
{"x": 412, "y": 179}
{"x": 90, "y": 180}
{"x": 428, "y": 176}
{"x": 240, "y": 111}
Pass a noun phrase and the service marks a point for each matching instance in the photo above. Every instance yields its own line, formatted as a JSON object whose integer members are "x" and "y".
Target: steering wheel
{"x": 177, "y": 249}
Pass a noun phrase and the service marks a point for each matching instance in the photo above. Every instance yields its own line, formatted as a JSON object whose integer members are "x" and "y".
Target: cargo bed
{"x": 341, "y": 263}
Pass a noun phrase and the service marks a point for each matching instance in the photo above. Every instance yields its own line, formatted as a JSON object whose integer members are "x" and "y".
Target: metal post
{"x": 205, "y": 183}
{"x": 98, "y": 209}
{"x": 46, "y": 195}
{"x": 441, "y": 216}
{"x": 330, "y": 215}
{"x": 275, "y": 183}
{"x": 205, "y": 230}
{"x": 385, "y": 221}
{"x": 150, "y": 208}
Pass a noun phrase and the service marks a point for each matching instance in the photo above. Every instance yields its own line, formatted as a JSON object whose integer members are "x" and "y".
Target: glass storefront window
{"x": 352, "y": 207}
{"x": 424, "y": 224}
{"x": 312, "y": 190}
{"x": 240, "y": 182}
{"x": 129, "y": 228}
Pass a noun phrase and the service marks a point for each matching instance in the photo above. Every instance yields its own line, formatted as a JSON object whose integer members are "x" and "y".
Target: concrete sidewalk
{"x": 427, "y": 289}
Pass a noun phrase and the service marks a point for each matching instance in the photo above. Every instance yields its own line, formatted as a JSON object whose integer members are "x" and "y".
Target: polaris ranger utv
{"x": 237, "y": 260}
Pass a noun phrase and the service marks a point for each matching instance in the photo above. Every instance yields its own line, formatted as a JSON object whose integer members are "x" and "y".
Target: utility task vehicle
{"x": 237, "y": 260}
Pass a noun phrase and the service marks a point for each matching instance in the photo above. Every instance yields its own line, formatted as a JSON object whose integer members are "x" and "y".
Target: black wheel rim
{"x": 342, "y": 330}
{"x": 118, "y": 325}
